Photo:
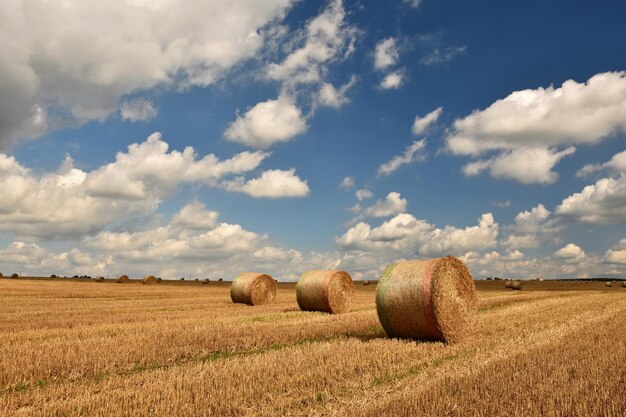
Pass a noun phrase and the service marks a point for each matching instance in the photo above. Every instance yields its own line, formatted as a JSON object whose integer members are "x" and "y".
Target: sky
{"x": 204, "y": 138}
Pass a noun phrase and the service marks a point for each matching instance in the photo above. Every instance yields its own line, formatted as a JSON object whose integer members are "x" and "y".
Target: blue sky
{"x": 339, "y": 134}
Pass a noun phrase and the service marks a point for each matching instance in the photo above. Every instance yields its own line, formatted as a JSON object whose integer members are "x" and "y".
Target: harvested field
{"x": 70, "y": 348}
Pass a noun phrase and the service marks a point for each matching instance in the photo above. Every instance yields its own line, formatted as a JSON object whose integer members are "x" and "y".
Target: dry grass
{"x": 535, "y": 352}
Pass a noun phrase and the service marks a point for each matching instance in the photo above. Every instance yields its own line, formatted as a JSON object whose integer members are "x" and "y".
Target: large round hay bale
{"x": 15, "y": 276}
{"x": 149, "y": 280}
{"x": 253, "y": 288}
{"x": 321, "y": 290}
{"x": 508, "y": 283}
{"x": 100, "y": 279}
{"x": 122, "y": 279}
{"x": 609, "y": 284}
{"x": 433, "y": 299}
{"x": 516, "y": 285}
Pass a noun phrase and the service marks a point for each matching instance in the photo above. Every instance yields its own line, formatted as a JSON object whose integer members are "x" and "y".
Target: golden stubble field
{"x": 70, "y": 348}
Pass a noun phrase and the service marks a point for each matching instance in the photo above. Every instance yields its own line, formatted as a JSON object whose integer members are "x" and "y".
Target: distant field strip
{"x": 127, "y": 350}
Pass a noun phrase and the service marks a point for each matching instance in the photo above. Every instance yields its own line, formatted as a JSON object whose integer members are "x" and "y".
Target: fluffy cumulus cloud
{"x": 363, "y": 194}
{"x": 273, "y": 183}
{"x": 393, "y": 81}
{"x": 414, "y": 152}
{"x": 530, "y": 131}
{"x": 617, "y": 253}
{"x": 346, "y": 183}
{"x": 392, "y": 204}
{"x": 324, "y": 40}
{"x": 404, "y": 235}
{"x": 616, "y": 165}
{"x": 70, "y": 202}
{"x": 532, "y": 228}
{"x": 138, "y": 110}
{"x": 386, "y": 54}
{"x": 421, "y": 124}
{"x": 570, "y": 251}
{"x": 63, "y": 65}
{"x": 603, "y": 202}
{"x": 267, "y": 123}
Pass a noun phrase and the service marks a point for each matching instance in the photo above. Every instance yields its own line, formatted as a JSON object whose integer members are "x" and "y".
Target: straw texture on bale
{"x": 253, "y": 288}
{"x": 149, "y": 280}
{"x": 432, "y": 299}
{"x": 508, "y": 284}
{"x": 321, "y": 290}
{"x": 517, "y": 285}
{"x": 122, "y": 279}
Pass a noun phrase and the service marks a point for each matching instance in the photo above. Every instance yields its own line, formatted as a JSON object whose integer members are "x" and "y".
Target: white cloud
{"x": 329, "y": 96}
{"x": 63, "y": 65}
{"x": 71, "y": 203}
{"x": 617, "y": 254}
{"x": 363, "y": 194}
{"x": 404, "y": 235}
{"x": 502, "y": 204}
{"x": 386, "y": 54}
{"x": 570, "y": 251}
{"x": 267, "y": 123}
{"x": 531, "y": 228}
{"x": 525, "y": 165}
{"x": 413, "y": 3}
{"x": 603, "y": 202}
{"x": 273, "y": 183}
{"x": 531, "y": 130}
{"x": 616, "y": 165}
{"x": 392, "y": 204}
{"x": 392, "y": 81}
{"x": 440, "y": 57}
{"x": 411, "y": 154}
{"x": 326, "y": 38}
{"x": 421, "y": 124}
{"x": 346, "y": 183}
{"x": 138, "y": 110}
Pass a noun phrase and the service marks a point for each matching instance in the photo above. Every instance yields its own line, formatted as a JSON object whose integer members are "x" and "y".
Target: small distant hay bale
{"x": 366, "y": 283}
{"x": 609, "y": 284}
{"x": 159, "y": 279}
{"x": 1, "y": 276}
{"x": 122, "y": 279}
{"x": 253, "y": 288}
{"x": 516, "y": 286}
{"x": 182, "y": 279}
{"x": 15, "y": 276}
{"x": 205, "y": 281}
{"x": 433, "y": 299}
{"x": 508, "y": 283}
{"x": 325, "y": 290}
{"x": 220, "y": 280}
{"x": 149, "y": 280}
{"x": 100, "y": 279}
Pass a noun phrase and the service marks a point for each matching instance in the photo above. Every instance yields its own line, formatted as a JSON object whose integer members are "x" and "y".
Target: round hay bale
{"x": 15, "y": 276}
{"x": 516, "y": 286}
{"x": 321, "y": 290}
{"x": 122, "y": 279}
{"x": 205, "y": 281}
{"x": 221, "y": 279}
{"x": 508, "y": 283}
{"x": 623, "y": 284}
{"x": 609, "y": 284}
{"x": 366, "y": 283}
{"x": 149, "y": 280}
{"x": 159, "y": 279}
{"x": 433, "y": 299}
{"x": 1, "y": 276}
{"x": 100, "y": 279}
{"x": 253, "y": 288}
